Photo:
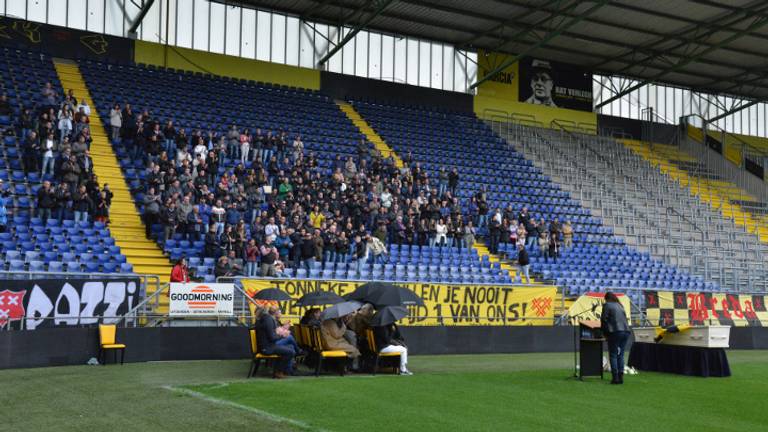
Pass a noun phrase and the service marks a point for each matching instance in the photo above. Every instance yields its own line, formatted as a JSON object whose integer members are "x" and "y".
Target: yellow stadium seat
{"x": 322, "y": 353}
{"x": 107, "y": 342}
{"x": 377, "y": 355}
{"x": 256, "y": 356}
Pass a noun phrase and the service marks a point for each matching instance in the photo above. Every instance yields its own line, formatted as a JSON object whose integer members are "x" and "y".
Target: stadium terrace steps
{"x": 719, "y": 194}
{"x": 482, "y": 250}
{"x": 125, "y": 223}
{"x": 378, "y": 142}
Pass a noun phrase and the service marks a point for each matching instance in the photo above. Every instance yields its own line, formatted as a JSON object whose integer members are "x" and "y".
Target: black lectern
{"x": 590, "y": 349}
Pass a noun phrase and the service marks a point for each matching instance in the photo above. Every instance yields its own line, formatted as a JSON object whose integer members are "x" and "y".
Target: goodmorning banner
{"x": 46, "y": 303}
{"x": 198, "y": 299}
{"x": 664, "y": 308}
{"x": 454, "y": 304}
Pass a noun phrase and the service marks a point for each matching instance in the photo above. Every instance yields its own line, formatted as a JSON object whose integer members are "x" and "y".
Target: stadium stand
{"x": 653, "y": 212}
{"x": 125, "y": 223}
{"x": 330, "y": 142}
{"x": 732, "y": 202}
{"x": 32, "y": 243}
{"x": 598, "y": 259}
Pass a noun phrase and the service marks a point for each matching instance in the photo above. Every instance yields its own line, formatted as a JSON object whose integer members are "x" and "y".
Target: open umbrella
{"x": 315, "y": 298}
{"x": 272, "y": 294}
{"x": 387, "y": 315}
{"x": 385, "y": 294}
{"x": 341, "y": 309}
{"x": 396, "y": 296}
{"x": 368, "y": 289}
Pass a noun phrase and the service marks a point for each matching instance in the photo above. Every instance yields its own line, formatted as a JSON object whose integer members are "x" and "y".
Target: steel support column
{"x": 379, "y": 9}
{"x": 140, "y": 17}
{"x": 754, "y": 26}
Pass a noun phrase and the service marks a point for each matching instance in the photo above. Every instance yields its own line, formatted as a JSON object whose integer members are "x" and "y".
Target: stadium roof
{"x": 713, "y": 46}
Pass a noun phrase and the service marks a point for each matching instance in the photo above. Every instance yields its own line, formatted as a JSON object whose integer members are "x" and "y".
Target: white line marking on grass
{"x": 265, "y": 414}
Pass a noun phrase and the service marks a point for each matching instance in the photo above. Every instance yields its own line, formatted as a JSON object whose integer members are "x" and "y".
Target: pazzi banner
{"x": 47, "y": 303}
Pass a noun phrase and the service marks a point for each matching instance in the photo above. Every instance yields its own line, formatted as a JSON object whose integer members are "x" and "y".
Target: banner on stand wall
{"x": 45, "y": 303}
{"x": 445, "y": 304}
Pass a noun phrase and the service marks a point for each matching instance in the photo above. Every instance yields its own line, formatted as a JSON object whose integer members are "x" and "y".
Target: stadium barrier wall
{"x": 630, "y": 128}
{"x": 64, "y": 42}
{"x": 347, "y": 87}
{"x": 219, "y": 64}
{"x": 75, "y": 346}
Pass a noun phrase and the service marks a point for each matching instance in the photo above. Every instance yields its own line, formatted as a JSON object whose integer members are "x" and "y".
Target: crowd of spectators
{"x": 258, "y": 200}
{"x": 261, "y": 202}
{"x": 56, "y": 140}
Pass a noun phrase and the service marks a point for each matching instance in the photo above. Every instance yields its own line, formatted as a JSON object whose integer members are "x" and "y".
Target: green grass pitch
{"x": 524, "y": 392}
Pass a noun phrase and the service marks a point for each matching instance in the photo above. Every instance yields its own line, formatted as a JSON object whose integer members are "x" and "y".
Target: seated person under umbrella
{"x": 311, "y": 317}
{"x": 334, "y": 328}
{"x": 387, "y": 335}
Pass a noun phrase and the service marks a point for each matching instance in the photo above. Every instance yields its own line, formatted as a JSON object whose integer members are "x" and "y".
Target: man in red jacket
{"x": 180, "y": 271}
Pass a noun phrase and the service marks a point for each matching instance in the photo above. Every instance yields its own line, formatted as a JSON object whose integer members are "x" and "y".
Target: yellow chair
{"x": 378, "y": 354}
{"x": 107, "y": 342}
{"x": 323, "y": 354}
{"x": 256, "y": 356}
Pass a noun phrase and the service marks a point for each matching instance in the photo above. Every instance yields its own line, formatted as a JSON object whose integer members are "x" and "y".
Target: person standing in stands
{"x": 180, "y": 271}
{"x": 554, "y": 246}
{"x": 81, "y": 204}
{"x": 31, "y": 152}
{"x": 524, "y": 263}
{"x": 3, "y": 213}
{"x": 115, "y": 122}
{"x": 269, "y": 255}
{"x": 360, "y": 253}
{"x": 544, "y": 245}
{"x": 453, "y": 181}
{"x": 46, "y": 201}
{"x": 567, "y": 234}
{"x": 613, "y": 322}
{"x": 101, "y": 208}
{"x": 494, "y": 231}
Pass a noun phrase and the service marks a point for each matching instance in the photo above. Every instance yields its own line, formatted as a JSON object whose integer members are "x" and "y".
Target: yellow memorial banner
{"x": 666, "y": 308}
{"x": 505, "y": 84}
{"x": 589, "y": 307}
{"x": 455, "y": 305}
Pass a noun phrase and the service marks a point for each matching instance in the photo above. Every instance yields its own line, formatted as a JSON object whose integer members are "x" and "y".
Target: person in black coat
{"x": 267, "y": 337}
{"x": 613, "y": 323}
{"x": 389, "y": 340}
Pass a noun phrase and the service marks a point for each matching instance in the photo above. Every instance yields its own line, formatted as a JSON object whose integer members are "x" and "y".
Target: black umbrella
{"x": 367, "y": 289}
{"x": 387, "y": 315}
{"x": 273, "y": 294}
{"x": 397, "y": 296}
{"x": 316, "y": 298}
{"x": 341, "y": 309}
{"x": 385, "y": 294}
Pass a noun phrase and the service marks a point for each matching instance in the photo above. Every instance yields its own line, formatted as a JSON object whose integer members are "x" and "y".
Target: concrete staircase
{"x": 378, "y": 142}
{"x": 125, "y": 225}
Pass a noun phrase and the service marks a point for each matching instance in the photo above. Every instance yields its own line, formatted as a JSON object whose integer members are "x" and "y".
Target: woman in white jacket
{"x": 65, "y": 123}
{"x": 116, "y": 121}
{"x": 441, "y": 231}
